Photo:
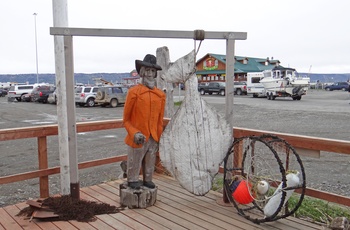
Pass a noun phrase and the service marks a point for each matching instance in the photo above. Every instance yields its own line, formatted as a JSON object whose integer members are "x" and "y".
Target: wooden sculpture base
{"x": 137, "y": 198}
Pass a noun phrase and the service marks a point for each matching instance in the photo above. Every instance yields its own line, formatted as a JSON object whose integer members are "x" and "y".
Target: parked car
{"x": 85, "y": 95}
{"x": 240, "y": 87}
{"x": 212, "y": 87}
{"x": 16, "y": 91}
{"x": 52, "y": 99}
{"x": 27, "y": 97}
{"x": 337, "y": 86}
{"x": 111, "y": 95}
{"x": 41, "y": 93}
{"x": 3, "y": 92}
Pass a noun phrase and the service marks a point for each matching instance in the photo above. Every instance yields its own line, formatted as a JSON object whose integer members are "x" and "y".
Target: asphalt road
{"x": 319, "y": 114}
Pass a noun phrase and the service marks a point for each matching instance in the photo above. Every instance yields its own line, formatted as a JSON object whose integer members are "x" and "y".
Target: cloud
{"x": 298, "y": 33}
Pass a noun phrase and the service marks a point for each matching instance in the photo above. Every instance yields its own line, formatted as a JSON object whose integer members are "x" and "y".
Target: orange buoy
{"x": 242, "y": 194}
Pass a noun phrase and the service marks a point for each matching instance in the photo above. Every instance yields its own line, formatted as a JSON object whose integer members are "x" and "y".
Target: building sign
{"x": 210, "y": 64}
{"x": 134, "y": 74}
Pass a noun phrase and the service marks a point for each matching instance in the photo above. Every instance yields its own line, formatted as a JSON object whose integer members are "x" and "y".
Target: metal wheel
{"x": 262, "y": 183}
{"x": 114, "y": 103}
{"x": 202, "y": 92}
{"x": 268, "y": 96}
{"x": 90, "y": 102}
{"x": 222, "y": 92}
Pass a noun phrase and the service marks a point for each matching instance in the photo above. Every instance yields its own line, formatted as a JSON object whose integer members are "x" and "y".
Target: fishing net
{"x": 267, "y": 181}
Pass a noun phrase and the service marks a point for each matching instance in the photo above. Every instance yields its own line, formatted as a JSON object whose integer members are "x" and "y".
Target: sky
{"x": 312, "y": 36}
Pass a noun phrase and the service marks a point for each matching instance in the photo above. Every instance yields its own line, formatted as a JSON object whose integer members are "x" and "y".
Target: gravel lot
{"x": 319, "y": 114}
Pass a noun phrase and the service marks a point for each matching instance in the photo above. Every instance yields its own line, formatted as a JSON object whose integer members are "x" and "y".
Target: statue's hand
{"x": 139, "y": 138}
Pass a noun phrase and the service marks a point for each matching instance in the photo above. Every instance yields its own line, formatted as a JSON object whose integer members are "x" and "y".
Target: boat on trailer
{"x": 284, "y": 82}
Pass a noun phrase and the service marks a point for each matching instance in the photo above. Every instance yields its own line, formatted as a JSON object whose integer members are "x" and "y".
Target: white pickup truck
{"x": 240, "y": 87}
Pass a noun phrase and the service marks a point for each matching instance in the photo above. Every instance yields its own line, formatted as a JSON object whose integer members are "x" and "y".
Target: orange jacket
{"x": 143, "y": 112}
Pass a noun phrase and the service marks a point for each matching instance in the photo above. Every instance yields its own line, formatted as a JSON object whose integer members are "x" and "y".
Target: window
{"x": 87, "y": 90}
{"x": 255, "y": 79}
{"x": 117, "y": 90}
{"x": 25, "y": 87}
{"x": 77, "y": 90}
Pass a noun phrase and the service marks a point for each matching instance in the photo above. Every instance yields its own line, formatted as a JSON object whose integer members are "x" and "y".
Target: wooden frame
{"x": 68, "y": 157}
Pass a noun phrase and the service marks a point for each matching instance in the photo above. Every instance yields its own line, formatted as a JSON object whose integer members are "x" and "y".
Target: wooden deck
{"x": 175, "y": 209}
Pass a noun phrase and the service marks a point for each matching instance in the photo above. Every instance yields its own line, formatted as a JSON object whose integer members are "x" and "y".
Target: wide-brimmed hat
{"x": 149, "y": 61}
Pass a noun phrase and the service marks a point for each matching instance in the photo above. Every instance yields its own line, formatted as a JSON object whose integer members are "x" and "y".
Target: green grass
{"x": 319, "y": 210}
{"x": 311, "y": 209}
{"x": 177, "y": 103}
{"x": 218, "y": 184}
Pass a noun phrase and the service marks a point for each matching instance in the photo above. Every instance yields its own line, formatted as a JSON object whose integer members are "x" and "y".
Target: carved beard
{"x": 150, "y": 83}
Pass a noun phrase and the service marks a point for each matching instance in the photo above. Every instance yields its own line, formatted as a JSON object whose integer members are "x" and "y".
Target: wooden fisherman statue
{"x": 143, "y": 121}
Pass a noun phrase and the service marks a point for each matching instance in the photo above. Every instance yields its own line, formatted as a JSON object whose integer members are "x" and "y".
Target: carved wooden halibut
{"x": 195, "y": 141}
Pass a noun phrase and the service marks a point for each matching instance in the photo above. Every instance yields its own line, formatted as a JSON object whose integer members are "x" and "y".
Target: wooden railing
{"x": 304, "y": 144}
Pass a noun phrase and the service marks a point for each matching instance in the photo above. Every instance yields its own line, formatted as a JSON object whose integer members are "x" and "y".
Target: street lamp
{"x": 36, "y": 50}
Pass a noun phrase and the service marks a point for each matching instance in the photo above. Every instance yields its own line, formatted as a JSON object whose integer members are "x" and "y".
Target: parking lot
{"x": 319, "y": 114}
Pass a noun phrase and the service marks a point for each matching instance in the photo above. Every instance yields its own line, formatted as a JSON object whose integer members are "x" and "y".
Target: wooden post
{"x": 43, "y": 164}
{"x": 71, "y": 125}
{"x": 230, "y": 76}
{"x": 60, "y": 19}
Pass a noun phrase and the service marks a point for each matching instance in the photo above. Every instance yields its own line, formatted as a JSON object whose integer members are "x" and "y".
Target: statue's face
{"x": 148, "y": 76}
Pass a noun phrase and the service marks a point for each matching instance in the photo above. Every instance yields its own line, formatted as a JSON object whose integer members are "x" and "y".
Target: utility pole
{"x": 36, "y": 49}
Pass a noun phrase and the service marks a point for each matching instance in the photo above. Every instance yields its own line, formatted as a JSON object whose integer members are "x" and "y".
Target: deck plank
{"x": 99, "y": 224}
{"x": 170, "y": 200}
{"x": 200, "y": 222}
{"x": 13, "y": 210}
{"x": 7, "y": 221}
{"x": 286, "y": 223}
{"x": 239, "y": 224}
{"x": 207, "y": 206}
{"x": 82, "y": 225}
{"x": 112, "y": 193}
{"x": 100, "y": 194}
{"x": 175, "y": 209}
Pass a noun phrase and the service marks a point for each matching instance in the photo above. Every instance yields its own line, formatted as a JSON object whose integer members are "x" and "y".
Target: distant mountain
{"x": 327, "y": 77}
{"x": 50, "y": 78}
{"x": 86, "y": 78}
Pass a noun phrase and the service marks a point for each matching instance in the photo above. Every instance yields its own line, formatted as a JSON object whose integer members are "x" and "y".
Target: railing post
{"x": 236, "y": 162}
{"x": 43, "y": 164}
